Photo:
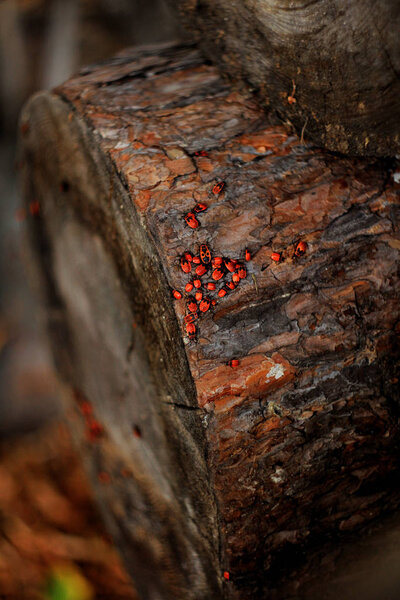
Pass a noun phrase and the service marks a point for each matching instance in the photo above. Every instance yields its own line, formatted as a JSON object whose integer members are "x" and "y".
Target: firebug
{"x": 196, "y": 260}
{"x": 242, "y": 272}
{"x": 191, "y": 305}
{"x": 218, "y": 187}
{"x": 185, "y": 265}
{"x": 191, "y": 330}
{"x": 136, "y": 431}
{"x": 211, "y": 286}
{"x": 205, "y": 254}
{"x": 191, "y": 220}
{"x": 199, "y": 207}
{"x": 200, "y": 270}
{"x": 197, "y": 283}
{"x": 34, "y": 208}
{"x": 95, "y": 429}
{"x": 276, "y": 256}
{"x": 235, "y": 278}
{"x": 234, "y": 363}
{"x": 188, "y": 287}
{"x": 204, "y": 305}
{"x": 247, "y": 255}
{"x": 190, "y": 318}
{"x": 177, "y": 295}
{"x": 86, "y": 408}
{"x": 222, "y": 293}
{"x": 300, "y": 249}
{"x": 198, "y": 296}
{"x": 217, "y": 274}
{"x": 229, "y": 264}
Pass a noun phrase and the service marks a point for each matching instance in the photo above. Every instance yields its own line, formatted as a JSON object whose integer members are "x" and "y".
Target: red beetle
{"x": 200, "y": 270}
{"x": 205, "y": 254}
{"x": 217, "y": 274}
{"x": 177, "y": 295}
{"x": 86, "y": 408}
{"x": 230, "y": 264}
{"x": 191, "y": 331}
{"x": 191, "y": 220}
{"x": 196, "y": 260}
{"x": 235, "y": 278}
{"x": 191, "y": 305}
{"x": 230, "y": 285}
{"x": 218, "y": 187}
{"x": 189, "y": 287}
{"x": 276, "y": 256}
{"x": 137, "y": 431}
{"x": 34, "y": 208}
{"x": 300, "y": 249}
{"x": 197, "y": 283}
{"x": 199, "y": 207}
{"x": 222, "y": 292}
{"x": 198, "y": 296}
{"x": 217, "y": 261}
{"x": 211, "y": 286}
{"x": 205, "y": 305}
{"x": 187, "y": 256}
{"x": 234, "y": 362}
{"x": 185, "y": 265}
{"x": 242, "y": 272}
{"x": 247, "y": 255}
{"x": 95, "y": 429}
{"x": 190, "y": 318}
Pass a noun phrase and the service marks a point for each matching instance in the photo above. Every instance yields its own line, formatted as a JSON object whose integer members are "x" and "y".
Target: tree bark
{"x": 203, "y": 469}
{"x": 330, "y": 68}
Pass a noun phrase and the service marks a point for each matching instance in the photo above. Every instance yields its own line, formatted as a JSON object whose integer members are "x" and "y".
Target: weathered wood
{"x": 330, "y": 68}
{"x": 262, "y": 470}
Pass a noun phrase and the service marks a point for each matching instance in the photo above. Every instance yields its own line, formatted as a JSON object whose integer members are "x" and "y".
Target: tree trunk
{"x": 217, "y": 480}
{"x": 330, "y": 68}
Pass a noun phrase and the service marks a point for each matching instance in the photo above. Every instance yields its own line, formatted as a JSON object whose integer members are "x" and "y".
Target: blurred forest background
{"x": 52, "y": 543}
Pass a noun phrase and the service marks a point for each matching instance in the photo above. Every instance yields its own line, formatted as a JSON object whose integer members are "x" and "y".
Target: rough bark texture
{"x": 262, "y": 470}
{"x": 330, "y": 68}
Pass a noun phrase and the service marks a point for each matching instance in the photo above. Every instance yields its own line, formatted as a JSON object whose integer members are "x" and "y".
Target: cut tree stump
{"x": 216, "y": 481}
{"x": 330, "y": 68}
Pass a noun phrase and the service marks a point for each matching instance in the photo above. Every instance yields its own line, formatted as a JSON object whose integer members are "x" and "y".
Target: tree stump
{"x": 217, "y": 479}
{"x": 330, "y": 68}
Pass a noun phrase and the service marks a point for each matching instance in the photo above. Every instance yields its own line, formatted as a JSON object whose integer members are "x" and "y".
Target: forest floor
{"x": 53, "y": 544}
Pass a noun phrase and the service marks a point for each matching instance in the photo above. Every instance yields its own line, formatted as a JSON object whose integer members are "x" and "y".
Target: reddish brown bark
{"x": 263, "y": 469}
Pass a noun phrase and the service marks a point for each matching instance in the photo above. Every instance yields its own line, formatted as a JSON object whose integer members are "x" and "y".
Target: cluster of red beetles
{"x": 210, "y": 278}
